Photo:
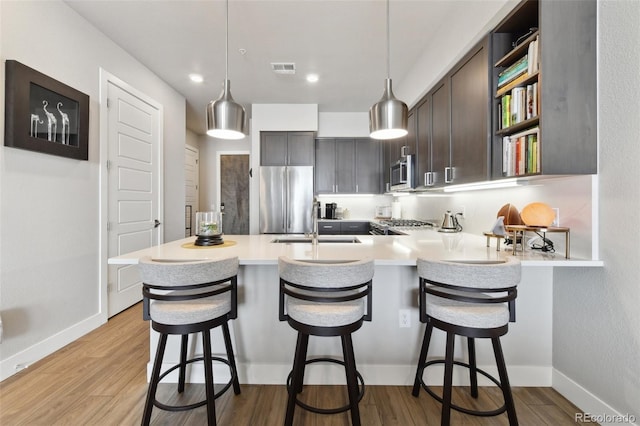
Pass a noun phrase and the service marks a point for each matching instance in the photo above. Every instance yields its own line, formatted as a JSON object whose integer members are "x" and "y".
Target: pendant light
{"x": 226, "y": 117}
{"x": 388, "y": 117}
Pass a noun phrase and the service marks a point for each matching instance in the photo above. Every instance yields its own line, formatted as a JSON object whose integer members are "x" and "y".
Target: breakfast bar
{"x": 387, "y": 351}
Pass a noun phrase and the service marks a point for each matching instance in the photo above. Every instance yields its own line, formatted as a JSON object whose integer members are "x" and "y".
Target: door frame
{"x": 196, "y": 150}
{"x": 103, "y": 216}
{"x": 219, "y": 177}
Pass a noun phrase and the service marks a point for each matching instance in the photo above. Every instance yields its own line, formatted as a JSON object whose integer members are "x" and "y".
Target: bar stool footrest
{"x": 488, "y": 413}
{"x": 227, "y": 385}
{"x": 319, "y": 410}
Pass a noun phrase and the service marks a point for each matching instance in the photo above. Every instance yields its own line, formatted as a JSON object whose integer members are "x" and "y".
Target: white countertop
{"x": 399, "y": 250}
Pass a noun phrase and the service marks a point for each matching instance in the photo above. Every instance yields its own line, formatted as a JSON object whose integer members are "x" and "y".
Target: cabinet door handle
{"x": 428, "y": 179}
{"x": 356, "y": 187}
{"x": 448, "y": 174}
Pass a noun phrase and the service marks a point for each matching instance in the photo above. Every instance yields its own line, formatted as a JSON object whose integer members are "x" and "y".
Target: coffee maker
{"x": 330, "y": 210}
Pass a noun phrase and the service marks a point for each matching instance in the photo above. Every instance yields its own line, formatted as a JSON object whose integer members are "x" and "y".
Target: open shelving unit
{"x": 562, "y": 120}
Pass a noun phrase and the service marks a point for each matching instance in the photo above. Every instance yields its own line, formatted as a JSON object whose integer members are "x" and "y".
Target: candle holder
{"x": 209, "y": 229}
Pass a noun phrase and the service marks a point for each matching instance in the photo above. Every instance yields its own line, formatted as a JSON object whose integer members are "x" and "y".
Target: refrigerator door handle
{"x": 285, "y": 200}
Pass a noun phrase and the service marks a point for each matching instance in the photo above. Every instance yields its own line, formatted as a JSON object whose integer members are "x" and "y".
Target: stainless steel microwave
{"x": 401, "y": 174}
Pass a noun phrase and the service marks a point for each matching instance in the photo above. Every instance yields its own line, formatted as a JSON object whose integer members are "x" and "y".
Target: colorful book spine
{"x": 515, "y": 70}
{"x": 521, "y": 153}
{"x": 506, "y": 111}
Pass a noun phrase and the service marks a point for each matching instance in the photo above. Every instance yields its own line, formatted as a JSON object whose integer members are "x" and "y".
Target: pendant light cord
{"x": 388, "y": 45}
{"x": 226, "y": 48}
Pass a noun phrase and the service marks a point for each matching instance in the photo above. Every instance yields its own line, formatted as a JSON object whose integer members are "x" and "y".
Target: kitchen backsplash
{"x": 573, "y": 195}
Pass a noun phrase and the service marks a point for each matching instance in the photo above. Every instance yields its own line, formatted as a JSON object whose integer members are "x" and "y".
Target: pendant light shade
{"x": 389, "y": 116}
{"x": 226, "y": 117}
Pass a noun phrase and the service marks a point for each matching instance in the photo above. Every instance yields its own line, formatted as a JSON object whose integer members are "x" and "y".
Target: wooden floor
{"x": 100, "y": 380}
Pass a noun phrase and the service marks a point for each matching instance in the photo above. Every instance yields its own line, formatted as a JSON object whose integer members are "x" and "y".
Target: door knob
{"x": 156, "y": 223}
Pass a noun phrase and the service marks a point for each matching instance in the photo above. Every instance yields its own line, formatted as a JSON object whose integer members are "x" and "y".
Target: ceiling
{"x": 342, "y": 41}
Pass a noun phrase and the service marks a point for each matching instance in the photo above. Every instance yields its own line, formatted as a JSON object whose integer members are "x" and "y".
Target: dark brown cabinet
{"x": 440, "y": 132}
{"x": 368, "y": 166}
{"x": 434, "y": 139}
{"x": 453, "y": 119}
{"x": 391, "y": 150}
{"x": 287, "y": 148}
{"x": 348, "y": 166}
{"x": 410, "y": 142}
{"x": 343, "y": 227}
{"x": 470, "y": 118}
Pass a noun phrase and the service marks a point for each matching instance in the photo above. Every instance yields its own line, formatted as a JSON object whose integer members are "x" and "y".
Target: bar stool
{"x": 325, "y": 298}
{"x": 190, "y": 297}
{"x": 471, "y": 299}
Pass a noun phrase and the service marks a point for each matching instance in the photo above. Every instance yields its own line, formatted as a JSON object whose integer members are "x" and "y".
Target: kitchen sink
{"x": 323, "y": 240}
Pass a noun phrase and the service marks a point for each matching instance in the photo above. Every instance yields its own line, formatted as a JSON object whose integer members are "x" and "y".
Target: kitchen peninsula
{"x": 387, "y": 354}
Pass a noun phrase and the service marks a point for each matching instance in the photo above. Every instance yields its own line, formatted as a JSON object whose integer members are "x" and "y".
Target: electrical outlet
{"x": 556, "y": 221}
{"x": 462, "y": 210}
{"x": 404, "y": 318}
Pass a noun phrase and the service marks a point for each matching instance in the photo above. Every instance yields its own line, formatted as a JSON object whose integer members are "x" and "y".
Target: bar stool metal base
{"x": 487, "y": 413}
{"x": 326, "y": 410}
{"x": 174, "y": 408}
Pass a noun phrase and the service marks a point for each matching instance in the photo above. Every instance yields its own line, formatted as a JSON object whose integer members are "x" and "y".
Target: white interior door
{"x": 191, "y": 190}
{"x": 134, "y": 210}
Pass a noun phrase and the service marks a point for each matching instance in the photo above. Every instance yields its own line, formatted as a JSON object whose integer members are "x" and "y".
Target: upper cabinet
{"x": 287, "y": 148}
{"x": 368, "y": 166}
{"x": 544, "y": 83}
{"x": 453, "y": 140}
{"x": 348, "y": 166}
{"x": 410, "y": 142}
{"x": 470, "y": 117}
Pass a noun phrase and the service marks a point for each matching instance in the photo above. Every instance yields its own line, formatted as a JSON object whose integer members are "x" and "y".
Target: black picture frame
{"x": 44, "y": 115}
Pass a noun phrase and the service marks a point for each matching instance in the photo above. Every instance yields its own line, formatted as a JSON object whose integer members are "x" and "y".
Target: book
{"x": 532, "y": 54}
{"x": 507, "y": 87}
{"x": 517, "y": 69}
{"x": 521, "y": 153}
{"x": 536, "y": 95}
{"x": 506, "y": 111}
{"x": 506, "y": 153}
{"x": 529, "y": 166}
{"x": 530, "y": 95}
{"x": 518, "y": 101}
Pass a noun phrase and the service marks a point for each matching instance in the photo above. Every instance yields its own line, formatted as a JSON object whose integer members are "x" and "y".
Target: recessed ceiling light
{"x": 312, "y": 78}
{"x": 196, "y": 78}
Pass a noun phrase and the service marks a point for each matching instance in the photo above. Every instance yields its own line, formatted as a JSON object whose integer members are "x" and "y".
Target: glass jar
{"x": 208, "y": 228}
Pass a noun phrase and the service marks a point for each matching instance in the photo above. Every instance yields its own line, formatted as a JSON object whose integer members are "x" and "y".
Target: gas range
{"x": 409, "y": 223}
{"x": 383, "y": 226}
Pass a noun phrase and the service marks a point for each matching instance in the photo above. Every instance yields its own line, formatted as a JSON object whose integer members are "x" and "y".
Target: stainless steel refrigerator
{"x": 286, "y": 199}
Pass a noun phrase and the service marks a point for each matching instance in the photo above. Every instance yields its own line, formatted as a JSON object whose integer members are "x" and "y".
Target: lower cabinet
{"x": 343, "y": 228}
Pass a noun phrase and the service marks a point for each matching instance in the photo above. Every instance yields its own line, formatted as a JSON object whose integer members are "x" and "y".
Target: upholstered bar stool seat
{"x": 325, "y": 298}
{"x": 185, "y": 297}
{"x": 471, "y": 299}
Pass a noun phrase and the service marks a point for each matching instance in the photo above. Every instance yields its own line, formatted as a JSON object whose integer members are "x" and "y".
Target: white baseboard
{"x": 598, "y": 410}
{"x": 23, "y": 359}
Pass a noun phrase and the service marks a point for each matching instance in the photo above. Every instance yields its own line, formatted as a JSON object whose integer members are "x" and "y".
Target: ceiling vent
{"x": 283, "y": 67}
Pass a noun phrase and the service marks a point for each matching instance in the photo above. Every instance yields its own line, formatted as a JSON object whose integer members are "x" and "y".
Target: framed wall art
{"x": 45, "y": 115}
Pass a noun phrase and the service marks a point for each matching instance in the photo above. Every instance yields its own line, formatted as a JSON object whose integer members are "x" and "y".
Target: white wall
{"x": 50, "y": 264}
{"x": 596, "y": 316}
